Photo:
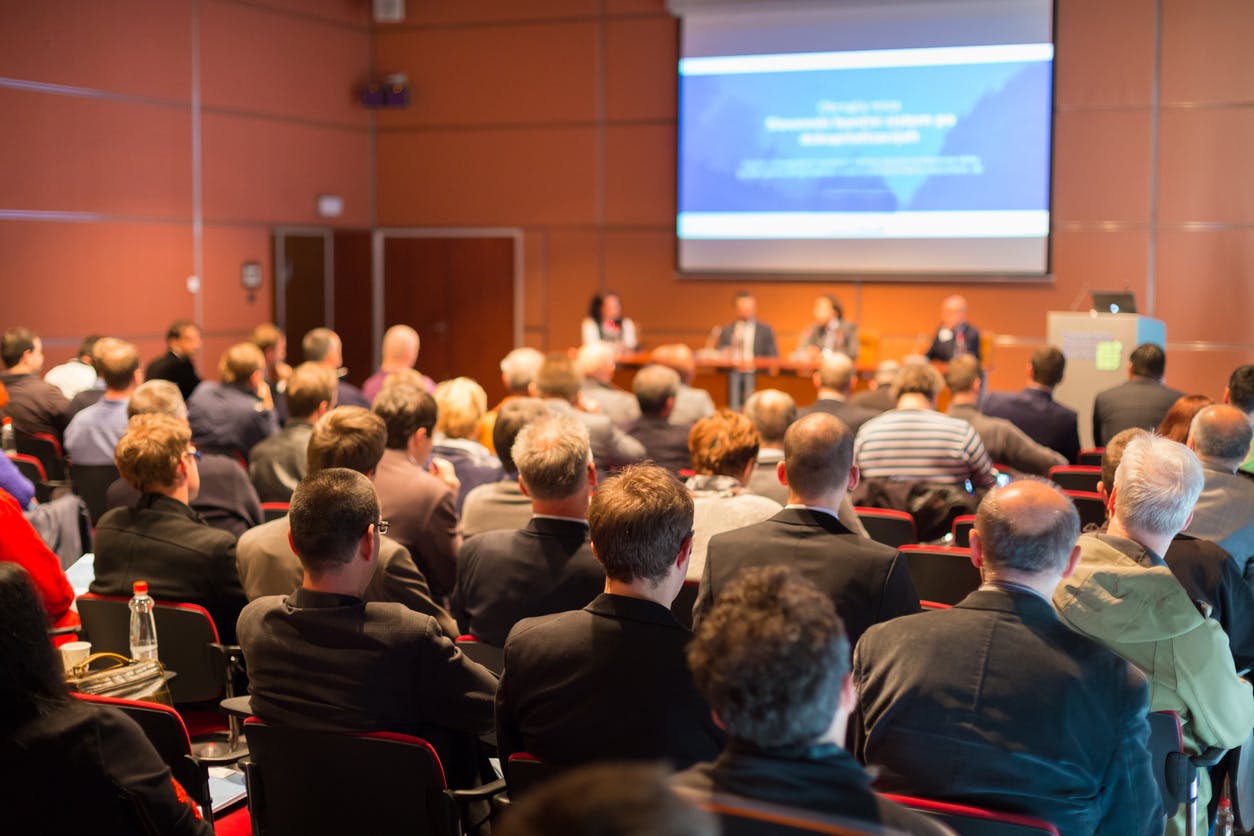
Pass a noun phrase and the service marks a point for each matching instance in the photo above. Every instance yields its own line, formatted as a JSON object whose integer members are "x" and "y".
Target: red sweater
{"x": 20, "y": 544}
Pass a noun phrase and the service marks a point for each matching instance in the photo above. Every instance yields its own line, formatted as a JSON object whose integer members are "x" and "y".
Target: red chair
{"x": 33, "y": 469}
{"x": 1175, "y": 771}
{"x": 46, "y": 448}
{"x": 1091, "y": 457}
{"x": 310, "y": 783}
{"x": 966, "y": 820}
{"x": 941, "y": 574}
{"x": 892, "y": 528}
{"x": 1092, "y": 507}
{"x": 492, "y": 658}
{"x": 1071, "y": 477}
{"x": 274, "y": 510}
{"x": 524, "y": 772}
{"x": 962, "y": 530}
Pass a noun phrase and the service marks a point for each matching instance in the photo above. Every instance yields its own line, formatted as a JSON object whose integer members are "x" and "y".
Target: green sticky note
{"x": 1108, "y": 356}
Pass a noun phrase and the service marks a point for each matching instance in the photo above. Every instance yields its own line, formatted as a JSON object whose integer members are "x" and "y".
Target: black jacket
{"x": 665, "y": 443}
{"x": 1041, "y": 418}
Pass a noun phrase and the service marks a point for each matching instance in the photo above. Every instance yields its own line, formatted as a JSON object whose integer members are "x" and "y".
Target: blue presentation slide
{"x": 905, "y": 143}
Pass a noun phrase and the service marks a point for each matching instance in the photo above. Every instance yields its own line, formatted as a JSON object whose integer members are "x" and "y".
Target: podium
{"x": 1097, "y": 347}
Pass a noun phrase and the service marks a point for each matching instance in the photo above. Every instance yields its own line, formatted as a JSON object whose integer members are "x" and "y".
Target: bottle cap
{"x": 140, "y": 587}
{"x": 1225, "y": 803}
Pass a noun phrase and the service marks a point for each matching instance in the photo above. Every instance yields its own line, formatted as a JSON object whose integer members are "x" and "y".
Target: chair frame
{"x": 865, "y": 512}
{"x": 1070, "y": 474}
{"x": 962, "y": 558}
{"x": 940, "y": 810}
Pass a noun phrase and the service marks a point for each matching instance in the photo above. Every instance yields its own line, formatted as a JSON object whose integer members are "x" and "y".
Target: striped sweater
{"x": 920, "y": 445}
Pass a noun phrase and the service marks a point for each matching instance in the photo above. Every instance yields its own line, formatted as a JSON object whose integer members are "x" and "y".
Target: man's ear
{"x": 1072, "y": 562}
{"x": 290, "y": 541}
{"x": 977, "y": 551}
{"x": 522, "y": 486}
{"x": 592, "y": 475}
{"x": 781, "y": 473}
{"x": 685, "y": 552}
{"x": 855, "y": 476}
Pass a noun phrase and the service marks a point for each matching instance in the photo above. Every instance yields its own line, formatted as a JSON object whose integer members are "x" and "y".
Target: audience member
{"x": 421, "y": 507}
{"x": 955, "y": 336}
{"x": 92, "y": 434}
{"x": 834, "y": 381}
{"x": 1208, "y": 574}
{"x": 400, "y": 351}
{"x": 830, "y": 334}
{"x": 772, "y": 660}
{"x": 1034, "y": 409}
{"x": 878, "y": 396}
{"x": 273, "y": 345}
{"x": 606, "y": 325}
{"x": 70, "y": 767}
{"x": 1004, "y": 442}
{"x": 461, "y": 404}
{"x": 346, "y": 437}
{"x": 1141, "y": 401}
{"x": 1224, "y": 513}
{"x": 226, "y": 500}
{"x": 915, "y": 443}
{"x": 505, "y": 576}
{"x": 34, "y": 406}
{"x": 995, "y": 702}
{"x": 178, "y": 364}
{"x": 1176, "y": 423}
{"x": 665, "y": 444}
{"x": 595, "y": 362}
{"x": 233, "y": 415}
{"x": 22, "y": 545}
{"x": 558, "y": 382}
{"x": 724, "y": 448}
{"x": 621, "y": 656}
{"x": 518, "y": 370}
{"x": 691, "y": 404}
{"x": 322, "y": 345}
{"x": 771, "y": 412}
{"x": 15, "y": 484}
{"x": 325, "y": 658}
{"x": 1124, "y": 596}
{"x": 161, "y": 539}
{"x": 867, "y": 581}
{"x": 607, "y": 800}
{"x": 503, "y": 504}
{"x": 276, "y": 464}
{"x": 1240, "y": 393}
{"x": 78, "y": 374}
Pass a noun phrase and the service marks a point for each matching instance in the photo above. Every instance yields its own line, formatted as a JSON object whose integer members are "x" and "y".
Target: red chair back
{"x": 962, "y": 530}
{"x": 1072, "y": 477}
{"x": 1090, "y": 505}
{"x": 1091, "y": 457}
{"x": 976, "y": 821}
{"x": 942, "y": 574}
{"x": 274, "y": 510}
{"x": 892, "y": 528}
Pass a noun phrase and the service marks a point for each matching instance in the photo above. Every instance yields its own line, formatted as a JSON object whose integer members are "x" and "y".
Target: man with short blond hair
{"x": 621, "y": 657}
{"x": 161, "y": 539}
{"x": 93, "y": 433}
{"x": 232, "y": 415}
{"x": 400, "y": 351}
{"x": 278, "y": 463}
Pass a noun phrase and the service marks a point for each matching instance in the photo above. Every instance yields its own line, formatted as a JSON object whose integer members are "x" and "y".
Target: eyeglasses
{"x": 382, "y": 526}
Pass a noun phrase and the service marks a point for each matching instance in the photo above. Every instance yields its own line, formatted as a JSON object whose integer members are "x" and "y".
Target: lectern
{"x": 1097, "y": 347}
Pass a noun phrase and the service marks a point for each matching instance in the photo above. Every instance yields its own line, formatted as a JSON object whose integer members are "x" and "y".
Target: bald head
{"x": 771, "y": 412}
{"x": 953, "y": 311}
{"x": 676, "y": 356}
{"x": 596, "y": 361}
{"x": 1028, "y": 527}
{"x": 400, "y": 347}
{"x": 818, "y": 455}
{"x": 835, "y": 373}
{"x": 1220, "y": 435}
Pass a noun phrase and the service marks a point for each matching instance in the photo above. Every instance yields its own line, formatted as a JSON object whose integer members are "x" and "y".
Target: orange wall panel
{"x": 492, "y": 75}
{"x": 1205, "y": 292}
{"x": 352, "y": 12}
{"x": 641, "y": 73}
{"x": 1101, "y": 166}
{"x": 267, "y": 171}
{"x": 490, "y": 11}
{"x": 510, "y": 177}
{"x": 259, "y": 60}
{"x": 1086, "y": 31}
{"x": 640, "y": 174}
{"x": 1205, "y": 168}
{"x": 1206, "y": 51}
{"x": 572, "y": 280}
{"x": 54, "y": 159}
{"x": 136, "y": 47}
{"x": 228, "y": 307}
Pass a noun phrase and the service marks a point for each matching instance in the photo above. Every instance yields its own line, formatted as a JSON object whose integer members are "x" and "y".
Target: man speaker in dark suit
{"x": 744, "y": 341}
{"x": 610, "y": 681}
{"x": 1141, "y": 401}
{"x": 868, "y": 581}
{"x": 996, "y": 702}
{"x": 955, "y": 335}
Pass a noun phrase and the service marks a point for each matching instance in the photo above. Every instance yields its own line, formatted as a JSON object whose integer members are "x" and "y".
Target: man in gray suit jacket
{"x": 1224, "y": 514}
{"x": 1142, "y": 401}
{"x": 558, "y": 382}
{"x": 595, "y": 362}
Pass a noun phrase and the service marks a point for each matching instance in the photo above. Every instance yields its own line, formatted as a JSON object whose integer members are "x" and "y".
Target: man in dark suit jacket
{"x": 232, "y": 415}
{"x": 276, "y": 464}
{"x": 955, "y": 335}
{"x": 664, "y": 443}
{"x": 611, "y": 681}
{"x": 772, "y": 660}
{"x": 1034, "y": 410}
{"x": 834, "y": 381}
{"x": 1142, "y": 401}
{"x": 162, "y": 540}
{"x": 322, "y": 345}
{"x": 745, "y": 340}
{"x": 177, "y": 365}
{"x": 868, "y": 581}
{"x": 324, "y": 658}
{"x": 547, "y": 567}
{"x": 996, "y": 702}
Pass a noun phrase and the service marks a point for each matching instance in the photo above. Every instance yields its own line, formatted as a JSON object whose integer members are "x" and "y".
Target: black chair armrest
{"x": 72, "y": 630}
{"x": 1209, "y": 758}
{"x": 483, "y": 793}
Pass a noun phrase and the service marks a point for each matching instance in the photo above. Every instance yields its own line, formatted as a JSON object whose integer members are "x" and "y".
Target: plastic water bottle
{"x": 1225, "y": 824}
{"x": 7, "y": 439}
{"x": 143, "y": 624}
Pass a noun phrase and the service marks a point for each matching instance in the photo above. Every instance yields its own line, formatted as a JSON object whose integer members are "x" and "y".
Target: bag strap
{"x": 83, "y": 667}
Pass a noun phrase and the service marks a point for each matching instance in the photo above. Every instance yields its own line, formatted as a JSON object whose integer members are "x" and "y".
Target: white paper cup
{"x": 74, "y": 652}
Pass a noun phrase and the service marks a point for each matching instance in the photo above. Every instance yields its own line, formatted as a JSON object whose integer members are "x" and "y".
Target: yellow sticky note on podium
{"x": 1108, "y": 355}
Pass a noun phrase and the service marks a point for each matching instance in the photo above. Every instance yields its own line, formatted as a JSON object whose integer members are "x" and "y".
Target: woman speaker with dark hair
{"x": 71, "y": 767}
{"x": 605, "y": 323}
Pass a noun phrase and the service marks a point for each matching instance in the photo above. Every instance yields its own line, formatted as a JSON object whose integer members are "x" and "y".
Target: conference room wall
{"x": 98, "y": 205}
{"x": 558, "y": 117}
